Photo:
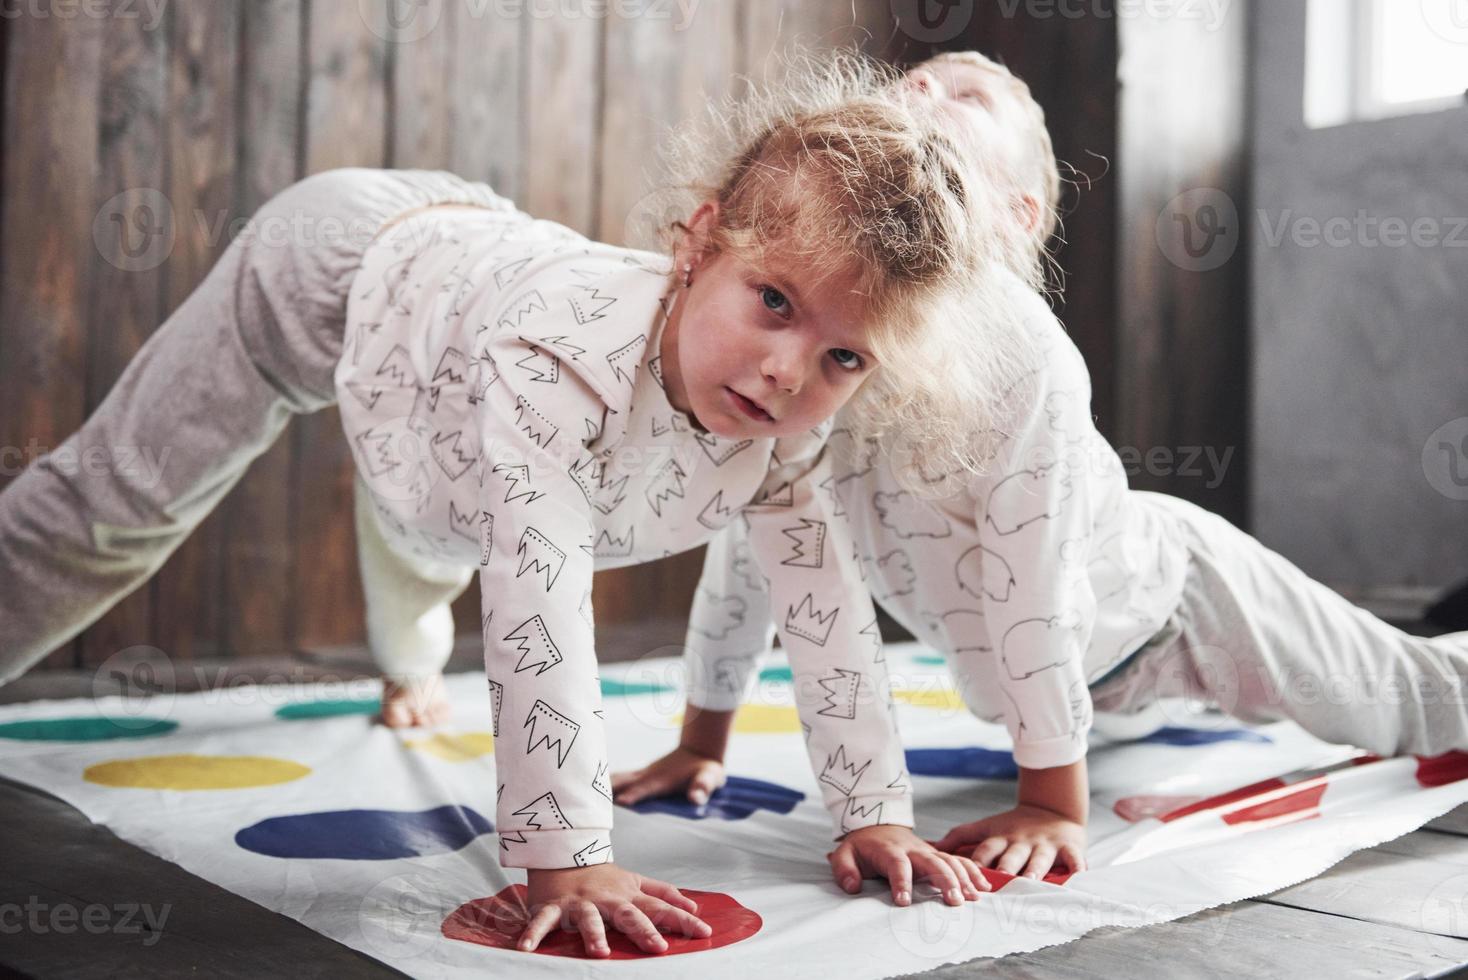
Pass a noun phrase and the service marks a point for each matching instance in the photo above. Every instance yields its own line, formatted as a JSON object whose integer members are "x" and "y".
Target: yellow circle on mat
{"x": 456, "y": 748}
{"x": 768, "y": 719}
{"x": 946, "y": 699}
{"x": 195, "y": 772}
{"x": 762, "y": 719}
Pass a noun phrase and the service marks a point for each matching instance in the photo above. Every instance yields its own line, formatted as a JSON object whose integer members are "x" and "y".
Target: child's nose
{"x": 783, "y": 369}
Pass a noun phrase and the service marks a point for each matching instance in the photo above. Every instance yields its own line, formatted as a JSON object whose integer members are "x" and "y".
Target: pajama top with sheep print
{"x": 1035, "y": 580}
{"x": 501, "y": 390}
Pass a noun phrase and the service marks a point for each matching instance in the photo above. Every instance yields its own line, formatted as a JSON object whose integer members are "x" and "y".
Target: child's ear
{"x": 1027, "y": 209}
{"x": 699, "y": 232}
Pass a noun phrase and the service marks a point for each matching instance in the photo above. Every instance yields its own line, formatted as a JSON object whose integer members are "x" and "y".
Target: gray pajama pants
{"x": 256, "y": 342}
{"x": 1258, "y": 638}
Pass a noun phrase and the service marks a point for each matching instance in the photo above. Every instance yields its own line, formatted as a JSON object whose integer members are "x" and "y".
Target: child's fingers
{"x": 933, "y": 867}
{"x": 666, "y": 918}
{"x": 587, "y": 920}
{"x": 649, "y": 785}
{"x": 1041, "y": 860}
{"x": 704, "y": 782}
{"x": 975, "y": 875}
{"x": 961, "y": 872}
{"x": 1014, "y": 859}
{"x": 988, "y": 850}
{"x": 1073, "y": 858}
{"x": 845, "y": 869}
{"x": 895, "y": 867}
{"x": 543, "y": 921}
{"x": 668, "y": 893}
{"x": 961, "y": 836}
{"x": 636, "y": 926}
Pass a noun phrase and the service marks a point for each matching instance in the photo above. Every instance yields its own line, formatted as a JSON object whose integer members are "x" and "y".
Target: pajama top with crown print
{"x": 500, "y": 387}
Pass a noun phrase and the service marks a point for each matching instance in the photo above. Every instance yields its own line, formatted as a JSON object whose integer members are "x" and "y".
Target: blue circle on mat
{"x": 971, "y": 762}
{"x": 735, "y": 800}
{"x": 365, "y": 835}
{"x": 1204, "y": 736}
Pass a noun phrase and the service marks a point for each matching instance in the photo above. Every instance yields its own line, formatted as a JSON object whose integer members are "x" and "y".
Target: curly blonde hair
{"x": 835, "y": 168}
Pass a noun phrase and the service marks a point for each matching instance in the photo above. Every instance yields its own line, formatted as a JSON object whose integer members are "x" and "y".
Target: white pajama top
{"x": 500, "y": 387}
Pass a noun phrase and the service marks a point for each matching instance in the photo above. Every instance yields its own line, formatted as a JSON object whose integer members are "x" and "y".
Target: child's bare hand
{"x": 1028, "y": 838}
{"x": 578, "y": 899}
{"x": 679, "y": 769}
{"x": 899, "y": 855}
{"x": 414, "y": 701}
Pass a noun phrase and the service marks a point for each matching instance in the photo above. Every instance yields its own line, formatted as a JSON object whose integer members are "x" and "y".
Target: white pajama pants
{"x": 1256, "y": 637}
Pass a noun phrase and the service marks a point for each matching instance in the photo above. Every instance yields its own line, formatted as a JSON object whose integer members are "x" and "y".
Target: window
{"x": 1370, "y": 59}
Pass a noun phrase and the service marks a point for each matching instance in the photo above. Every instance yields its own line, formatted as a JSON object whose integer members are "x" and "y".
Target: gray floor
{"x": 1398, "y": 910}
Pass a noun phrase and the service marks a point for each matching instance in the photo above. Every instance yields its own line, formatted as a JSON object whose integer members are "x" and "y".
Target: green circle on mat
{"x": 776, "y": 675}
{"x": 610, "y": 686}
{"x": 89, "y": 729}
{"x": 928, "y": 658}
{"x": 328, "y": 709}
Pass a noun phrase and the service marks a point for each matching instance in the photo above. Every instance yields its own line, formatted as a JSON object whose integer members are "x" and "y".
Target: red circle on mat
{"x": 498, "y": 920}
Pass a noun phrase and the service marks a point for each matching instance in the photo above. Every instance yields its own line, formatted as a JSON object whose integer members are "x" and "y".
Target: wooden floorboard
{"x": 1244, "y": 941}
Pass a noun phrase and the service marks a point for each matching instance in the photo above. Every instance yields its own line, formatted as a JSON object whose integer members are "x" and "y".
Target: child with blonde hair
{"x": 534, "y": 405}
{"x": 1060, "y": 596}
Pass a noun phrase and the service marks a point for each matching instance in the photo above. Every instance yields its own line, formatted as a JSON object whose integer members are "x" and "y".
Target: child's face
{"x": 752, "y": 356}
{"x": 986, "y": 102}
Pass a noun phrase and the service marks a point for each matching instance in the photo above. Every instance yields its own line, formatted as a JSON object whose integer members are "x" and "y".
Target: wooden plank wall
{"x": 219, "y": 104}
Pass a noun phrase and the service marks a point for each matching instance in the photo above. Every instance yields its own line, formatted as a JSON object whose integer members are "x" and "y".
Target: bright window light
{"x": 1370, "y": 59}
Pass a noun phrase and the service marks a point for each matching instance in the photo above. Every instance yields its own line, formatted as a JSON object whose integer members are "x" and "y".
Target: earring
{"x": 687, "y": 275}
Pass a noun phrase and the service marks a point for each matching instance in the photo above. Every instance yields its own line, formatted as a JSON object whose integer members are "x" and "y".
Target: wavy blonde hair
{"x": 835, "y": 169}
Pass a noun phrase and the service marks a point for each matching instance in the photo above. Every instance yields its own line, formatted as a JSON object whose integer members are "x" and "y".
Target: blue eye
{"x": 774, "y": 300}
{"x": 847, "y": 359}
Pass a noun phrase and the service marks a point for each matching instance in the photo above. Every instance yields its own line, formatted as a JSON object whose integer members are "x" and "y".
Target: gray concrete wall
{"x": 1359, "y": 350}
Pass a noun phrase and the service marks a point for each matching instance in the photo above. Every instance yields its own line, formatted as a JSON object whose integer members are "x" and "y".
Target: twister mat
{"x": 384, "y": 840}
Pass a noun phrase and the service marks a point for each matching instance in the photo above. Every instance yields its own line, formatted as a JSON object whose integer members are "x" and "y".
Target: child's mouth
{"x": 749, "y": 407}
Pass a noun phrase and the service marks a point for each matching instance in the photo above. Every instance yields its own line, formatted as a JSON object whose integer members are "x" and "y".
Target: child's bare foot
{"x": 413, "y": 702}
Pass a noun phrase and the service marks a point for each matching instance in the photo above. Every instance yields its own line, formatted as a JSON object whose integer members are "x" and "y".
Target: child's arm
{"x": 1036, "y": 520}
{"x": 729, "y": 631}
{"x": 554, "y": 814}
{"x": 828, "y": 625}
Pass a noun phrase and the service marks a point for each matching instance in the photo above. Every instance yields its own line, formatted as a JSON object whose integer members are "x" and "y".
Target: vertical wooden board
{"x": 422, "y": 85}
{"x": 260, "y": 603}
{"x": 346, "y": 125}
{"x": 188, "y": 598}
{"x": 490, "y": 68}
{"x": 660, "y": 70}
{"x": 563, "y": 119}
{"x": 52, "y": 76}
{"x": 771, "y": 26}
{"x": 125, "y": 280}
